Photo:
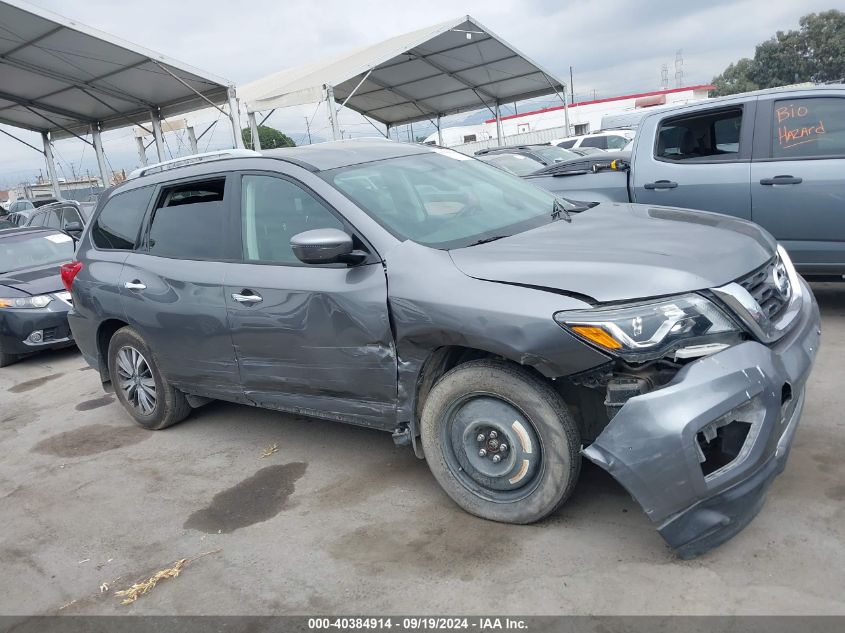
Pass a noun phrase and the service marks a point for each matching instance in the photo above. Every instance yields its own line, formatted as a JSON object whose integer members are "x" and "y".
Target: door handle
{"x": 781, "y": 180}
{"x": 660, "y": 184}
{"x": 134, "y": 285}
{"x": 247, "y": 298}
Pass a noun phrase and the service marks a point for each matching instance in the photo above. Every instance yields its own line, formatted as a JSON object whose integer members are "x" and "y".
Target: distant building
{"x": 584, "y": 116}
{"x": 80, "y": 189}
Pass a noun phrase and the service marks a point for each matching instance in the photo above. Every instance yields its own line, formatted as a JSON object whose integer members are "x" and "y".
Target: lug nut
{"x": 503, "y": 448}
{"x": 480, "y": 437}
{"x": 493, "y": 435}
{"x": 496, "y": 459}
{"x": 482, "y": 453}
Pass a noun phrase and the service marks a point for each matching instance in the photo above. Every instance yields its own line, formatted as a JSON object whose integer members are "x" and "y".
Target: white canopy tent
{"x": 448, "y": 68}
{"x": 64, "y": 79}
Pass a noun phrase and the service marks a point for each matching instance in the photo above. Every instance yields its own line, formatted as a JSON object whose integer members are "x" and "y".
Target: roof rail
{"x": 192, "y": 160}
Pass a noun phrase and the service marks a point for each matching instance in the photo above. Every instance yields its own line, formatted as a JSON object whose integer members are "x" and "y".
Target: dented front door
{"x": 308, "y": 339}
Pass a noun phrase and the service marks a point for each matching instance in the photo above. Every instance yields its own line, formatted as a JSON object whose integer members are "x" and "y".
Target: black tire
{"x": 170, "y": 405}
{"x": 477, "y": 397}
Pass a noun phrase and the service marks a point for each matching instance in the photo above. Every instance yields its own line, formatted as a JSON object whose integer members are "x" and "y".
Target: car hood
{"x": 619, "y": 252}
{"x": 33, "y": 281}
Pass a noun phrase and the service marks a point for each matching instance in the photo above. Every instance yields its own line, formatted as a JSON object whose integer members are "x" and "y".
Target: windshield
{"x": 515, "y": 163}
{"x": 29, "y": 250}
{"x": 444, "y": 199}
{"x": 552, "y": 154}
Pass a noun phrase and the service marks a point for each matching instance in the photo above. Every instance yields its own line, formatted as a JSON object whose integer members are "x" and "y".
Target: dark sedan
{"x": 33, "y": 302}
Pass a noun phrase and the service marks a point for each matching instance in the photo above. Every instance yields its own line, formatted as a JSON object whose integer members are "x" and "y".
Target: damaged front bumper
{"x": 746, "y": 402}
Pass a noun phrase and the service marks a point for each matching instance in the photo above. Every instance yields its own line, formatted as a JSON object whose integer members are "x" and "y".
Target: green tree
{"x": 269, "y": 137}
{"x": 815, "y": 52}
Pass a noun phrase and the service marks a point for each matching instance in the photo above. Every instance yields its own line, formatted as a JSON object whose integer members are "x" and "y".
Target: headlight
{"x": 645, "y": 331}
{"x": 26, "y": 303}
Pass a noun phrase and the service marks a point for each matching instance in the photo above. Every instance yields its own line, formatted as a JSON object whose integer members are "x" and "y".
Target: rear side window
{"x": 808, "y": 127}
{"x": 70, "y": 215}
{"x": 704, "y": 136}
{"x": 191, "y": 221}
{"x": 616, "y": 142}
{"x": 566, "y": 144}
{"x": 118, "y": 224}
{"x": 595, "y": 141}
{"x": 53, "y": 218}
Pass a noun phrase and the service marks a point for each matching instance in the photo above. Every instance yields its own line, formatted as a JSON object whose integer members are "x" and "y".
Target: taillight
{"x": 69, "y": 273}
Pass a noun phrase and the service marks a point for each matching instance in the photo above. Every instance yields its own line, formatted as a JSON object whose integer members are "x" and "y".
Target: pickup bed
{"x": 775, "y": 157}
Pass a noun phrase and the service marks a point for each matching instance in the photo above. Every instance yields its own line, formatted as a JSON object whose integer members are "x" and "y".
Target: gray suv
{"x": 421, "y": 292}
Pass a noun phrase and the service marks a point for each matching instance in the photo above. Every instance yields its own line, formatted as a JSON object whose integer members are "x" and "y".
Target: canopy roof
{"x": 451, "y": 67}
{"x": 59, "y": 76}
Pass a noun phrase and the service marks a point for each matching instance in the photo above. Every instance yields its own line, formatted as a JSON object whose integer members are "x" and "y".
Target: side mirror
{"x": 325, "y": 246}
{"x": 74, "y": 229}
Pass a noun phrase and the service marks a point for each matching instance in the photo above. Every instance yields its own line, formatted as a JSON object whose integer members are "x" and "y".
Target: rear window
{"x": 118, "y": 224}
{"x": 191, "y": 221}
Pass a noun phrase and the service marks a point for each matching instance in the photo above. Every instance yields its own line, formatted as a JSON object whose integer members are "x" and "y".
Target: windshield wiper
{"x": 559, "y": 211}
{"x": 489, "y": 239}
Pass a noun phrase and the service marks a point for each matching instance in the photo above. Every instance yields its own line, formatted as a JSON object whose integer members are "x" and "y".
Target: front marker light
{"x": 26, "y": 303}
{"x": 649, "y": 330}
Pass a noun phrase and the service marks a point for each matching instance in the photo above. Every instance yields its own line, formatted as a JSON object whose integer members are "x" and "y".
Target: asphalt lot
{"x": 338, "y": 520}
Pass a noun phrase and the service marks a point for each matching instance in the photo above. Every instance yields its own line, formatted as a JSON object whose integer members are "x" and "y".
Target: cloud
{"x": 614, "y": 46}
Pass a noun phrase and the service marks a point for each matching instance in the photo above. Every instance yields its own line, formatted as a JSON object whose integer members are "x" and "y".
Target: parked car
{"x": 20, "y": 218}
{"x": 29, "y": 205}
{"x": 772, "y": 156}
{"x": 421, "y": 292}
{"x": 544, "y": 154}
{"x": 519, "y": 164}
{"x": 67, "y": 215}
{"x": 610, "y": 140}
{"x": 33, "y": 303}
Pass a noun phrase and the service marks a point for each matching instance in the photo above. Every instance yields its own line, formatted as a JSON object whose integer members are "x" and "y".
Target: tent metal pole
{"x": 499, "y": 135}
{"x": 439, "y": 132}
{"x": 157, "y": 135}
{"x": 101, "y": 157}
{"x": 142, "y": 151}
{"x": 329, "y": 90}
{"x": 192, "y": 140}
{"x": 253, "y": 130}
{"x": 234, "y": 117}
{"x": 51, "y": 165}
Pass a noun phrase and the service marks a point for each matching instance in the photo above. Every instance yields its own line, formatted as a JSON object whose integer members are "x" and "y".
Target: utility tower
{"x": 664, "y": 77}
{"x": 679, "y": 68}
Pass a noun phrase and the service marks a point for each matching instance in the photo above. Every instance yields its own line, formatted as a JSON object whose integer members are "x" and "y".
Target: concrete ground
{"x": 338, "y": 520}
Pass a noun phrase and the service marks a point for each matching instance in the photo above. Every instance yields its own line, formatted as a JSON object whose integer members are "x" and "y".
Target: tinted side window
{"x": 808, "y": 127}
{"x": 191, "y": 221}
{"x": 703, "y": 135}
{"x": 273, "y": 210}
{"x": 566, "y": 144}
{"x": 595, "y": 141}
{"x": 118, "y": 224}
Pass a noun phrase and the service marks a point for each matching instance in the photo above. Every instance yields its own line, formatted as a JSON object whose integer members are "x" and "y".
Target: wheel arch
{"x": 105, "y": 332}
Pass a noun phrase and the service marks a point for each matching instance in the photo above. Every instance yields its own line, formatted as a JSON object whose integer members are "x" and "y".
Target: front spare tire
{"x": 500, "y": 441}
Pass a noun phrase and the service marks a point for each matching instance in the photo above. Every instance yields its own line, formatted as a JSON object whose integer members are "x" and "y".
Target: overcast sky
{"x": 615, "y": 46}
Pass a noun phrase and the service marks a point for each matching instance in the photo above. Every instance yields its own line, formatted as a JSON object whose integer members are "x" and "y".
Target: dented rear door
{"x": 308, "y": 339}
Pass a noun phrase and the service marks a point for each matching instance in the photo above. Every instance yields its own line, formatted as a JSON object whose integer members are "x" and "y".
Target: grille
{"x": 761, "y": 285}
{"x": 50, "y": 334}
